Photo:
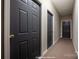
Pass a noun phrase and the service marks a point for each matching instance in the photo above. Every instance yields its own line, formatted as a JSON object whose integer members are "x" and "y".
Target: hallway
{"x": 33, "y": 28}
{"x": 63, "y": 49}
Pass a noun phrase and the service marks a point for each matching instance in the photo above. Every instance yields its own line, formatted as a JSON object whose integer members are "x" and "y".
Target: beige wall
{"x": 47, "y": 5}
{"x": 75, "y": 26}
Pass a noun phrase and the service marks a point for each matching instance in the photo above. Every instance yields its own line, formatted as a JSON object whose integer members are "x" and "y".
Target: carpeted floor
{"x": 62, "y": 50}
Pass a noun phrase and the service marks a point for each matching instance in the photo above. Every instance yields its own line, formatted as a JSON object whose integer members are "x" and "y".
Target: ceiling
{"x": 64, "y": 7}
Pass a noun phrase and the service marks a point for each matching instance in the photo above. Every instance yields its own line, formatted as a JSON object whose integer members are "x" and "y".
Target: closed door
{"x": 49, "y": 37}
{"x": 24, "y": 29}
{"x": 66, "y": 29}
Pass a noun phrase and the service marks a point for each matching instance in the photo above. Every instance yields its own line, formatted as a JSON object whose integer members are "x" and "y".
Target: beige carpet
{"x": 62, "y": 50}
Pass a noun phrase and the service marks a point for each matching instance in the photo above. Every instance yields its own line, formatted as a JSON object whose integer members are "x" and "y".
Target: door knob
{"x": 12, "y": 36}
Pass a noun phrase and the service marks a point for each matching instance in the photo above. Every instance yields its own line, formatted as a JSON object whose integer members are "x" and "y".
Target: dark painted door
{"x": 66, "y": 29}
{"x": 24, "y": 29}
{"x": 49, "y": 37}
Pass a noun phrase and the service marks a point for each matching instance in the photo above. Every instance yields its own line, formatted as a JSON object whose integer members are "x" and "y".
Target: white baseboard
{"x": 42, "y": 55}
{"x": 44, "y": 52}
{"x": 47, "y": 49}
{"x": 75, "y": 49}
{"x": 55, "y": 41}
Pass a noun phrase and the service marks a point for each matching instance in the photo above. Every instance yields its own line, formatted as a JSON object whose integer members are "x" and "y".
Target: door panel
{"x": 49, "y": 41}
{"x": 66, "y": 29}
{"x": 34, "y": 17}
{"x": 23, "y": 50}
{"x": 23, "y": 20}
{"x": 25, "y": 26}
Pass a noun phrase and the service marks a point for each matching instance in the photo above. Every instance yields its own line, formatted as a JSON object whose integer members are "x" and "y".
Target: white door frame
{"x": 6, "y": 29}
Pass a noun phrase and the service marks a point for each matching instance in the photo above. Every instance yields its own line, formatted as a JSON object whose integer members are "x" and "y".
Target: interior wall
{"x": 66, "y": 18}
{"x": 47, "y": 5}
{"x": 75, "y": 26}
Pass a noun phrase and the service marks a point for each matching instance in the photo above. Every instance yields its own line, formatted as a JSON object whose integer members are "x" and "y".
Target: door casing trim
{"x": 6, "y": 29}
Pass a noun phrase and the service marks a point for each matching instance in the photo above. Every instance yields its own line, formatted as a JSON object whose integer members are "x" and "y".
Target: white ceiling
{"x": 64, "y": 7}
